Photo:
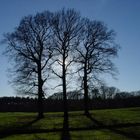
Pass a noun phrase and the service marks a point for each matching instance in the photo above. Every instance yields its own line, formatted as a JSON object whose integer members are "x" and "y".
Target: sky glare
{"x": 123, "y": 16}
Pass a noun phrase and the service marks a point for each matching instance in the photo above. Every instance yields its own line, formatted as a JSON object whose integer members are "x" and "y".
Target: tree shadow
{"x": 115, "y": 128}
{"x": 26, "y": 129}
{"x": 65, "y": 133}
{"x": 39, "y": 138}
{"x": 13, "y": 129}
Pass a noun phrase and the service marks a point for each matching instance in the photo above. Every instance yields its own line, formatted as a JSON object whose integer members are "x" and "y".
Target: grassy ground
{"x": 110, "y": 124}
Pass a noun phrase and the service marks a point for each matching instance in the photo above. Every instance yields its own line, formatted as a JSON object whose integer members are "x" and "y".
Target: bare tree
{"x": 95, "y": 93}
{"x": 112, "y": 92}
{"x": 94, "y": 53}
{"x": 104, "y": 91}
{"x": 66, "y": 30}
{"x": 30, "y": 48}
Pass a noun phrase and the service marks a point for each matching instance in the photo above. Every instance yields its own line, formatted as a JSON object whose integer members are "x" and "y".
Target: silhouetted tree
{"x": 108, "y": 92}
{"x": 30, "y": 48}
{"x": 66, "y": 29}
{"x": 95, "y": 93}
{"x": 104, "y": 91}
{"x": 95, "y": 51}
{"x": 123, "y": 95}
{"x": 112, "y": 92}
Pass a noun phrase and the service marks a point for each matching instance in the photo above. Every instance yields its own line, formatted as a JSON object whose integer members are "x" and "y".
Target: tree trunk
{"x": 86, "y": 111}
{"x": 40, "y": 94}
{"x": 65, "y": 104}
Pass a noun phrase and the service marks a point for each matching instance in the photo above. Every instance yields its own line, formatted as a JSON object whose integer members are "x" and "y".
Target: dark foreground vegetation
{"x": 17, "y": 104}
{"x": 108, "y": 124}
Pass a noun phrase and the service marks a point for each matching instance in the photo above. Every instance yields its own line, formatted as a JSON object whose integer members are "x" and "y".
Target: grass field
{"x": 109, "y": 124}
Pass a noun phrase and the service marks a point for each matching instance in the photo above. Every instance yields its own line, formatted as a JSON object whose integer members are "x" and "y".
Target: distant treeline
{"x": 20, "y": 104}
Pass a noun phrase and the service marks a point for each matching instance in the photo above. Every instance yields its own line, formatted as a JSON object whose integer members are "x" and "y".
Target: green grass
{"x": 117, "y": 124}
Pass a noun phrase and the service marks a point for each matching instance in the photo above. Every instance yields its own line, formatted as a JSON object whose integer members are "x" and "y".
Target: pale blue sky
{"x": 121, "y": 15}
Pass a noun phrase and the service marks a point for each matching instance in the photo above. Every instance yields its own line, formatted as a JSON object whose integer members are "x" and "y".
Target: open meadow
{"x": 108, "y": 124}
